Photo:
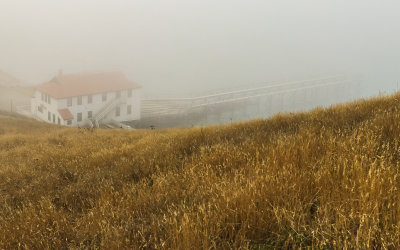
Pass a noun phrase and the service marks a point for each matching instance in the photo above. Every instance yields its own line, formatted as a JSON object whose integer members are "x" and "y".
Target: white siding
{"x": 96, "y": 105}
{"x": 134, "y": 101}
{"x": 37, "y": 102}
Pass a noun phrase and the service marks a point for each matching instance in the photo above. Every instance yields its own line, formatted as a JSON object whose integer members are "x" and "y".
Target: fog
{"x": 177, "y": 47}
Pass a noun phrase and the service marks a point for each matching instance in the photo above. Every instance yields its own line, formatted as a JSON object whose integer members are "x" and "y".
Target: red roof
{"x": 65, "y": 114}
{"x": 86, "y": 84}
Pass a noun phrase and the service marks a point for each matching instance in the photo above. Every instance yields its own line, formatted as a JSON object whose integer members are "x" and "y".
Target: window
{"x": 89, "y": 114}
{"x": 69, "y": 102}
{"x": 129, "y": 93}
{"x": 79, "y": 115}
{"x": 118, "y": 111}
{"x": 47, "y": 99}
{"x": 59, "y": 120}
{"x": 49, "y": 116}
{"x": 79, "y": 100}
{"x": 129, "y": 110}
{"x": 89, "y": 99}
{"x": 104, "y": 97}
{"x": 40, "y": 109}
{"x": 118, "y": 94}
{"x": 69, "y": 122}
{"x": 42, "y": 96}
{"x": 54, "y": 118}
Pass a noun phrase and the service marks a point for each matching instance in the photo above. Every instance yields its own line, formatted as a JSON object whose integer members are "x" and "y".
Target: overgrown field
{"x": 327, "y": 178}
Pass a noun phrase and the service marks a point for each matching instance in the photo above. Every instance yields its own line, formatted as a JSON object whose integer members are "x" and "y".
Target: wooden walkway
{"x": 156, "y": 107}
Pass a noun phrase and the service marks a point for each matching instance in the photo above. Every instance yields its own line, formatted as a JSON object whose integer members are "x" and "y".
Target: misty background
{"x": 177, "y": 47}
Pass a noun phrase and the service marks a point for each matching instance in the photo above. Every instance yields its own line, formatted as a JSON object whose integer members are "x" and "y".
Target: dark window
{"x": 40, "y": 108}
{"x": 79, "y": 100}
{"x": 129, "y": 110}
{"x": 118, "y": 94}
{"x": 69, "y": 102}
{"x": 89, "y": 114}
{"x": 69, "y": 122}
{"x": 47, "y": 99}
{"x": 118, "y": 111}
{"x": 54, "y": 118}
{"x": 89, "y": 99}
{"x": 129, "y": 93}
{"x": 104, "y": 97}
{"x": 49, "y": 116}
{"x": 59, "y": 121}
{"x": 79, "y": 115}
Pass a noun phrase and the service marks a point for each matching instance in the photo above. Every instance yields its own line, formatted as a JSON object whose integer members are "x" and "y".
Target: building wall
{"x": 46, "y": 108}
{"x": 84, "y": 108}
{"x": 133, "y": 101}
{"x": 96, "y": 105}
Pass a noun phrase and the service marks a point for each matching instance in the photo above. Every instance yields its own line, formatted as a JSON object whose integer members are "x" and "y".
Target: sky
{"x": 192, "y": 46}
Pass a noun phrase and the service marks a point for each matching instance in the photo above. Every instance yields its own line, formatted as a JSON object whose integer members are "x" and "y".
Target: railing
{"x": 90, "y": 123}
{"x": 174, "y": 106}
{"x": 106, "y": 110}
{"x": 161, "y": 106}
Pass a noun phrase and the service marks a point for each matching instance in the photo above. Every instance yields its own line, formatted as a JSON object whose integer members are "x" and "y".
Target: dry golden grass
{"x": 324, "y": 179}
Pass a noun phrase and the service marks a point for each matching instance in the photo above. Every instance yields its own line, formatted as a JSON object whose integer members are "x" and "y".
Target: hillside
{"x": 13, "y": 92}
{"x": 328, "y": 178}
{"x": 11, "y": 97}
{"x": 8, "y": 80}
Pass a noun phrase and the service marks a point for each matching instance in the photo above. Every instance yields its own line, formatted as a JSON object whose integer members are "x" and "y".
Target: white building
{"x": 87, "y": 99}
